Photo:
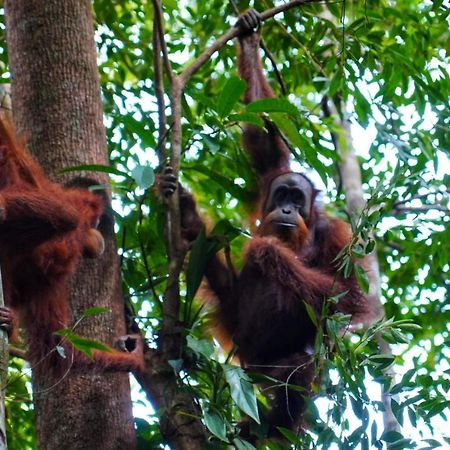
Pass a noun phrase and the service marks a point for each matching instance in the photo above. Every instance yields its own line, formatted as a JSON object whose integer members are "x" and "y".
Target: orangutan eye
{"x": 297, "y": 197}
{"x": 281, "y": 194}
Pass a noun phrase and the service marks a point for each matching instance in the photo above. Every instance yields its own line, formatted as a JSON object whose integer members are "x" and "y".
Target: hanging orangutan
{"x": 289, "y": 263}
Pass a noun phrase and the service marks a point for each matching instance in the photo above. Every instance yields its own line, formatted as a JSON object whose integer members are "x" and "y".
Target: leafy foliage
{"x": 387, "y": 61}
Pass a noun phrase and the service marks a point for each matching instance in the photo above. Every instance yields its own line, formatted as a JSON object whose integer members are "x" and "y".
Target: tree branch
{"x": 231, "y": 34}
{"x": 159, "y": 22}
{"x": 159, "y": 90}
{"x": 18, "y": 353}
{"x": 419, "y": 209}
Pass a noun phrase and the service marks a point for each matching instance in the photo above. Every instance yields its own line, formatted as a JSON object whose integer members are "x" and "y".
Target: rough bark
{"x": 4, "y": 356}
{"x": 5, "y": 106}
{"x": 57, "y": 108}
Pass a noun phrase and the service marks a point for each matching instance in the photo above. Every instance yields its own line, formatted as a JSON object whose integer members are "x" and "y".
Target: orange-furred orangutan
{"x": 289, "y": 263}
{"x": 45, "y": 231}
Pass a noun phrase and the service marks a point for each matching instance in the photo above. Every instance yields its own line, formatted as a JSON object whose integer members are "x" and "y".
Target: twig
{"x": 159, "y": 22}
{"x": 420, "y": 209}
{"x": 275, "y": 68}
{"x": 18, "y": 353}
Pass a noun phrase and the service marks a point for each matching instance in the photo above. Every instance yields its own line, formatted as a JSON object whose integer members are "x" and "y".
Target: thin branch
{"x": 18, "y": 353}
{"x": 159, "y": 22}
{"x": 418, "y": 197}
{"x": 278, "y": 76}
{"x": 420, "y": 209}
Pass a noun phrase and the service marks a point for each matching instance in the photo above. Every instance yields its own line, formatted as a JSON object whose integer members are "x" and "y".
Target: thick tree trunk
{"x": 4, "y": 356}
{"x": 57, "y": 108}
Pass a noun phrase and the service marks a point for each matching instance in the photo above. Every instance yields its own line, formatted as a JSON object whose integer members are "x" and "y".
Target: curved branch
{"x": 231, "y": 34}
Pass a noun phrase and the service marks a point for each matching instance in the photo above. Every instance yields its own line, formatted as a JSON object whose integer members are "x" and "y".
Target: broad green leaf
{"x": 291, "y": 436}
{"x": 216, "y": 424}
{"x": 288, "y": 128}
{"x": 144, "y": 176}
{"x": 242, "y": 391}
{"x": 268, "y": 105}
{"x": 254, "y": 119}
{"x": 201, "y": 346}
{"x": 230, "y": 95}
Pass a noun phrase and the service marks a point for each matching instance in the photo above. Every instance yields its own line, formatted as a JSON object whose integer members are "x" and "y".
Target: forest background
{"x": 382, "y": 69}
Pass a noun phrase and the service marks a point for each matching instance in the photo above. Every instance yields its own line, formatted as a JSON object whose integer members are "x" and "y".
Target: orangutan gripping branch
{"x": 289, "y": 263}
{"x": 45, "y": 231}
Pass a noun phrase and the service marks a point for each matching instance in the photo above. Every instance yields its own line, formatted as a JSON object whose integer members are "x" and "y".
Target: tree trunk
{"x": 350, "y": 172}
{"x": 57, "y": 108}
{"x": 4, "y": 356}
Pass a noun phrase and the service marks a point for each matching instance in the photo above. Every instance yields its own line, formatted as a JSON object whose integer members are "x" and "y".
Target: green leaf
{"x": 96, "y": 168}
{"x": 291, "y": 436}
{"x": 362, "y": 278}
{"x": 391, "y": 436}
{"x": 288, "y": 128}
{"x": 268, "y": 105}
{"x": 242, "y": 391}
{"x": 254, "y": 119}
{"x": 82, "y": 344}
{"x": 197, "y": 263}
{"x": 200, "y": 346}
{"x": 336, "y": 82}
{"x": 230, "y": 95}
{"x": 216, "y": 424}
{"x": 144, "y": 176}
{"x": 240, "y": 444}
{"x": 95, "y": 310}
{"x": 311, "y": 314}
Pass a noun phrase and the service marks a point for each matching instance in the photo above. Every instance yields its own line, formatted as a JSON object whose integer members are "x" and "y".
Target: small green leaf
{"x": 82, "y": 344}
{"x": 176, "y": 364}
{"x": 362, "y": 278}
{"x": 254, "y": 119}
{"x": 311, "y": 314}
{"x": 95, "y": 310}
{"x": 288, "y": 128}
{"x": 240, "y": 444}
{"x": 96, "y": 168}
{"x": 197, "y": 263}
{"x": 144, "y": 176}
{"x": 230, "y": 95}
{"x": 336, "y": 82}
{"x": 391, "y": 436}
